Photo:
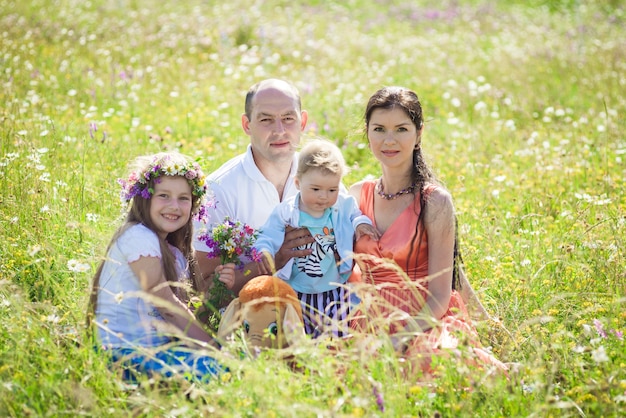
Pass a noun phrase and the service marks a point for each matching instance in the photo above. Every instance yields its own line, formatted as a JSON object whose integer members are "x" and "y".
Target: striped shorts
{"x": 326, "y": 313}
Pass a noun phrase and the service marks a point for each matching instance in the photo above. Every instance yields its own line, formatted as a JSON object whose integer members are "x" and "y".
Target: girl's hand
{"x": 369, "y": 230}
{"x": 227, "y": 274}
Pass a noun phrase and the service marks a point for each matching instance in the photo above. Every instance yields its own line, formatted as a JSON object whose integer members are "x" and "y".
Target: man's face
{"x": 275, "y": 125}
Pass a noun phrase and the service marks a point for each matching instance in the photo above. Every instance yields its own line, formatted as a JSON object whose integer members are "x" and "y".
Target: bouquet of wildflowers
{"x": 230, "y": 241}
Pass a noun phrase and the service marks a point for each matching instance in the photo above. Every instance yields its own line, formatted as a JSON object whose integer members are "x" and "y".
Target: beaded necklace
{"x": 392, "y": 196}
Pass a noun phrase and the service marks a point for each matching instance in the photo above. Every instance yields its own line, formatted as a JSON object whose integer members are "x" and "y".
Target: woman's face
{"x": 392, "y": 137}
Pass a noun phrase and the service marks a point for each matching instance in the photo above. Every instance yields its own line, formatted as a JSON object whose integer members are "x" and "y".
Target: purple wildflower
{"x": 203, "y": 214}
{"x": 379, "y": 399}
{"x": 619, "y": 334}
{"x": 255, "y": 255}
{"x": 93, "y": 128}
{"x": 599, "y": 328}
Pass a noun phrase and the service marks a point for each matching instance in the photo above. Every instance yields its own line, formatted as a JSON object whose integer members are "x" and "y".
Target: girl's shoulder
{"x": 138, "y": 240}
{"x": 138, "y": 231}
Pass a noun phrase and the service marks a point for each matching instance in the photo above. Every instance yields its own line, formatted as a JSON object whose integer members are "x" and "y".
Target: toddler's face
{"x": 318, "y": 190}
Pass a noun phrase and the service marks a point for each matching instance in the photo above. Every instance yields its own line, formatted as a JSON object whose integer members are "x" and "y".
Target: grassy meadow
{"x": 525, "y": 103}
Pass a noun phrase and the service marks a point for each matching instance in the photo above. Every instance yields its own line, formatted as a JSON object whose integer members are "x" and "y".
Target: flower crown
{"x": 163, "y": 165}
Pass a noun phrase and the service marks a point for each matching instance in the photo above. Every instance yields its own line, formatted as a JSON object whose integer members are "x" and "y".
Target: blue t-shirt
{"x": 318, "y": 271}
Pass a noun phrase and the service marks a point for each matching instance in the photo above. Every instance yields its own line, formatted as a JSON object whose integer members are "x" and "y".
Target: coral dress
{"x": 394, "y": 289}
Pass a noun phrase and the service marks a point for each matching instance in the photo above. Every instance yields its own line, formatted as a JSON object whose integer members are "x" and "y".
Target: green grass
{"x": 525, "y": 105}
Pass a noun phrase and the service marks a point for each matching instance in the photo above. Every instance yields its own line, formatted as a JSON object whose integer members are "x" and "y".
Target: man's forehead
{"x": 269, "y": 112}
{"x": 274, "y": 101}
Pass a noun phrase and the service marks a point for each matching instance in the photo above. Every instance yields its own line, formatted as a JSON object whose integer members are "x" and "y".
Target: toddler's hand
{"x": 369, "y": 230}
{"x": 227, "y": 274}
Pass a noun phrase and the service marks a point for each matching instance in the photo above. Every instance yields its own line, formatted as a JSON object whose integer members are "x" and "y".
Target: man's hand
{"x": 294, "y": 238}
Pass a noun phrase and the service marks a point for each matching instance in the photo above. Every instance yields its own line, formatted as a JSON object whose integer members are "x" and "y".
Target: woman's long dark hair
{"x": 421, "y": 175}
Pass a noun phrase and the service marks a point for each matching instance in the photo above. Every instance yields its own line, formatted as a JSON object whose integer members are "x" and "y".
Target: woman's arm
{"x": 152, "y": 280}
{"x": 439, "y": 224}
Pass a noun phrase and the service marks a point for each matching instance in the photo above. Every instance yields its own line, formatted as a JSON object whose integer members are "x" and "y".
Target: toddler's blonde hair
{"x": 321, "y": 154}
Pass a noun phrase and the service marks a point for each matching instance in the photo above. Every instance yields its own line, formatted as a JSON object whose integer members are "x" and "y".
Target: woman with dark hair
{"x": 412, "y": 273}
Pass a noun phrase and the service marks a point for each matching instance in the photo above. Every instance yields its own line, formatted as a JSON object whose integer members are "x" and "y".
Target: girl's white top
{"x": 125, "y": 317}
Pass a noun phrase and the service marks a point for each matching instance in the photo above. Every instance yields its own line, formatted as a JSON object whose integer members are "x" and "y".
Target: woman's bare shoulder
{"x": 439, "y": 202}
{"x": 355, "y": 190}
{"x": 438, "y": 196}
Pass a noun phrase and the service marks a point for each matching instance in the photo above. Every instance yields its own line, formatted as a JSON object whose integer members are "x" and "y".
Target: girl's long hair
{"x": 421, "y": 174}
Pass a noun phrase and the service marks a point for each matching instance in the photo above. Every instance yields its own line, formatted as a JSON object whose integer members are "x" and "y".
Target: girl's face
{"x": 318, "y": 190}
{"x": 392, "y": 137}
{"x": 170, "y": 205}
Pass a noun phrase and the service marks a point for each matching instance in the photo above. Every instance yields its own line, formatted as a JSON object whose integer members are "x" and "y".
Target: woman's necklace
{"x": 392, "y": 196}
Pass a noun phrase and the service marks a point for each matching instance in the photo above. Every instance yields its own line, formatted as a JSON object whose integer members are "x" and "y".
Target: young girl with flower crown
{"x": 139, "y": 291}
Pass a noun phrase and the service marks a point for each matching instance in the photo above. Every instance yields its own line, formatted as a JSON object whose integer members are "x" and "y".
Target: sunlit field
{"x": 525, "y": 106}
